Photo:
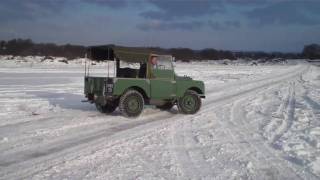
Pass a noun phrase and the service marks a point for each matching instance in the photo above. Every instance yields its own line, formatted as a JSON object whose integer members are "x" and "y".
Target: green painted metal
{"x": 163, "y": 74}
{"x": 161, "y": 83}
{"x": 183, "y": 84}
{"x": 94, "y": 85}
{"x": 155, "y": 88}
{"x": 123, "y": 84}
{"x": 163, "y": 89}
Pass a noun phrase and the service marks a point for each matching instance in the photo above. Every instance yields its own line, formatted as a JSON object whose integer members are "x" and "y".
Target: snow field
{"x": 257, "y": 122}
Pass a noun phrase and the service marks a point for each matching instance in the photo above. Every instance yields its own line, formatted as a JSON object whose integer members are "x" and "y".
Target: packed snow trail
{"x": 245, "y": 129}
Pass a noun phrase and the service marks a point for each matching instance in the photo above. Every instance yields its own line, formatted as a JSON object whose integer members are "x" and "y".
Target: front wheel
{"x": 189, "y": 103}
{"x": 131, "y": 103}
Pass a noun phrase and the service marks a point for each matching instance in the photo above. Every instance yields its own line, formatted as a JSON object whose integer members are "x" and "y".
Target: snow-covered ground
{"x": 257, "y": 122}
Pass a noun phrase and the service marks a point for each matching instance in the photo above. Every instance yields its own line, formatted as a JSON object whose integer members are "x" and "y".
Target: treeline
{"x": 26, "y": 47}
{"x": 311, "y": 51}
{"x": 213, "y": 54}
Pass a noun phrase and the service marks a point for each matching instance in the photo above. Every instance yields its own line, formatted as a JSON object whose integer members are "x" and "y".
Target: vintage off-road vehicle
{"x": 154, "y": 83}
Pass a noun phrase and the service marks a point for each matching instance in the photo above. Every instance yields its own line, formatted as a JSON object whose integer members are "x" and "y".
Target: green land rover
{"x": 154, "y": 83}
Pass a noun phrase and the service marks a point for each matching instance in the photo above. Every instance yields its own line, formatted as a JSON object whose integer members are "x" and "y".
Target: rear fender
{"x": 121, "y": 85}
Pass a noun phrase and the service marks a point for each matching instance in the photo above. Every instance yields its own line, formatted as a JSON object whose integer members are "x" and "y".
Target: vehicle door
{"x": 162, "y": 83}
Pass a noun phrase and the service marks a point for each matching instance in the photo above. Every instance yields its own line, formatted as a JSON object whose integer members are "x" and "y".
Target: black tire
{"x": 165, "y": 107}
{"x": 190, "y": 103}
{"x": 109, "y": 108}
{"x": 131, "y": 103}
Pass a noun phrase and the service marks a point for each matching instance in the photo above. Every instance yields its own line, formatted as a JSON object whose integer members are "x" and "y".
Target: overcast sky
{"x": 270, "y": 25}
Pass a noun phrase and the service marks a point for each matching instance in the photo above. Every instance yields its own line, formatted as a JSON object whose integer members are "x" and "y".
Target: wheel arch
{"x": 196, "y": 89}
{"x": 140, "y": 90}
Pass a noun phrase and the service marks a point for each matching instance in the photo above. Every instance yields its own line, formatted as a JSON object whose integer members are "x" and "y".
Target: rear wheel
{"x": 190, "y": 103}
{"x": 131, "y": 103}
{"x": 166, "y": 106}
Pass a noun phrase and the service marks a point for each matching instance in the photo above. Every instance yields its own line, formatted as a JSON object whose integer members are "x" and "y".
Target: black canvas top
{"x": 129, "y": 54}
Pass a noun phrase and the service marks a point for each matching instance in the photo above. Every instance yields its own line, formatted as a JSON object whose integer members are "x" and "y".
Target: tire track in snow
{"x": 229, "y": 157}
{"x": 33, "y": 168}
{"x": 288, "y": 114}
{"x": 300, "y": 135}
{"x": 181, "y": 155}
{"x": 282, "y": 120}
{"x": 216, "y": 102}
{"x": 238, "y": 138}
{"x": 313, "y": 106}
{"x": 186, "y": 158}
{"x": 95, "y": 136}
{"x": 154, "y": 167}
{"x": 57, "y": 126}
{"x": 264, "y": 155}
{"x": 278, "y": 157}
{"x": 190, "y": 158}
{"x": 40, "y": 155}
{"x": 281, "y": 75}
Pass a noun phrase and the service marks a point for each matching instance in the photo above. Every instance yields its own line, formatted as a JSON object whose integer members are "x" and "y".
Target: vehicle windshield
{"x": 164, "y": 62}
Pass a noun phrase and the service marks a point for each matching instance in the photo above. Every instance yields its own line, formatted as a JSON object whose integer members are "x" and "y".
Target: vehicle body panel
{"x": 160, "y": 82}
{"x": 184, "y": 85}
{"x": 122, "y": 84}
{"x": 157, "y": 88}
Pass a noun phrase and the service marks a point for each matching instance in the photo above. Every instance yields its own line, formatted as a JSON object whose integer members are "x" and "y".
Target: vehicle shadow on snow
{"x": 73, "y": 101}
